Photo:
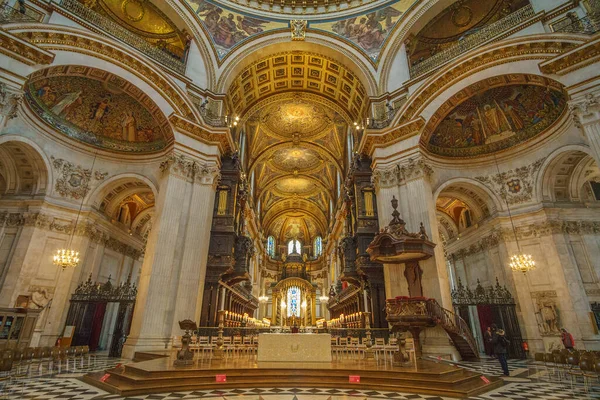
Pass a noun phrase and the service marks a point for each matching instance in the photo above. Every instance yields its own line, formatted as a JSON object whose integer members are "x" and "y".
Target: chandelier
{"x": 69, "y": 258}
{"x": 65, "y": 258}
{"x": 522, "y": 263}
{"x": 324, "y": 298}
{"x": 519, "y": 262}
{"x": 263, "y": 298}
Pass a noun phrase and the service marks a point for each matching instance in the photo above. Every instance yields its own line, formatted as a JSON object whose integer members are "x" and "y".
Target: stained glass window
{"x": 293, "y": 302}
{"x": 318, "y": 247}
{"x": 294, "y": 246}
{"x": 271, "y": 246}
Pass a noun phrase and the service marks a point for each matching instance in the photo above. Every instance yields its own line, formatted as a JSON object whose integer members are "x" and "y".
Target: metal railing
{"x": 588, "y": 25}
{"x": 115, "y": 30}
{"x": 10, "y": 14}
{"x": 483, "y": 35}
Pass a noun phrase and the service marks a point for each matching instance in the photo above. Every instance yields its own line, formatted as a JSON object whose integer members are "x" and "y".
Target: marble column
{"x": 586, "y": 114}
{"x": 170, "y": 278}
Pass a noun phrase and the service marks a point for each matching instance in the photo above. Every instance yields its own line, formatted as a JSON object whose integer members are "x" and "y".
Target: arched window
{"x": 293, "y": 302}
{"x": 294, "y": 246}
{"x": 271, "y": 246}
{"x": 318, "y": 246}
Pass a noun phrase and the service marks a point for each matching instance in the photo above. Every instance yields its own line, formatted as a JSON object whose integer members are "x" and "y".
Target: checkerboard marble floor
{"x": 527, "y": 381}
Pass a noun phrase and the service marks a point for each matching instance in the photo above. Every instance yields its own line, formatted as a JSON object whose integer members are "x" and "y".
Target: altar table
{"x": 292, "y": 347}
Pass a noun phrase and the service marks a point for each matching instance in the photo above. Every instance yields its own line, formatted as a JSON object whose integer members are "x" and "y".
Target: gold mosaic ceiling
{"x": 298, "y": 72}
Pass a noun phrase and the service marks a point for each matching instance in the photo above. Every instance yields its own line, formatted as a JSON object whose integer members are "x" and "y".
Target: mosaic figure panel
{"x": 370, "y": 30}
{"x": 496, "y": 119}
{"x": 97, "y": 112}
{"x": 229, "y": 28}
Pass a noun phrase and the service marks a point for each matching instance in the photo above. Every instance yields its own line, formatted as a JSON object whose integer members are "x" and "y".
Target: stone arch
{"x": 564, "y": 174}
{"x": 464, "y": 203}
{"x": 24, "y": 167}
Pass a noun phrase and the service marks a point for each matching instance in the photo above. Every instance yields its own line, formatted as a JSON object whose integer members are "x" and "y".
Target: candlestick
{"x": 365, "y": 298}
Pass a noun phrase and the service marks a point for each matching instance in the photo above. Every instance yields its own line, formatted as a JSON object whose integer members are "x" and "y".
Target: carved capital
{"x": 585, "y": 110}
{"x": 399, "y": 174}
{"x": 189, "y": 169}
{"x": 9, "y": 101}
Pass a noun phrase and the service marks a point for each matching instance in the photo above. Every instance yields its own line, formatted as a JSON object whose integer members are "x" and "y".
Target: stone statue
{"x": 39, "y": 298}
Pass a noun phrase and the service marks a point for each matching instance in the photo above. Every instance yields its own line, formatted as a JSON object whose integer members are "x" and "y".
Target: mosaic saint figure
{"x": 129, "y": 128}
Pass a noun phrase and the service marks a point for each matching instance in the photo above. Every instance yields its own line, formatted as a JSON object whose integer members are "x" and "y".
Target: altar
{"x": 292, "y": 347}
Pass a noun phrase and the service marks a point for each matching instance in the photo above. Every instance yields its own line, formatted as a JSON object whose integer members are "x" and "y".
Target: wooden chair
{"x": 6, "y": 371}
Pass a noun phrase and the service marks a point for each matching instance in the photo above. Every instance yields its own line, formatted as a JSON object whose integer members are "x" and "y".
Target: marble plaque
{"x": 292, "y": 347}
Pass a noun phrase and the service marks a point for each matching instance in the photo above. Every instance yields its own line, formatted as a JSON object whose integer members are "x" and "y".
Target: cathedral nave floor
{"x": 527, "y": 381}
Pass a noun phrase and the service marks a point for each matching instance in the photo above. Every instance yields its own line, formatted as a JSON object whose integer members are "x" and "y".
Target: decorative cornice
{"x": 190, "y": 170}
{"x": 401, "y": 173}
{"x": 516, "y": 185}
{"x": 577, "y": 58}
{"x": 530, "y": 231}
{"x": 84, "y": 228}
{"x": 73, "y": 180}
{"x": 374, "y": 139}
{"x": 221, "y": 139}
{"x": 21, "y": 50}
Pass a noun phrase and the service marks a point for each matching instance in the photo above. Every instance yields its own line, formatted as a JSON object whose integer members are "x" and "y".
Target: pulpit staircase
{"x": 456, "y": 328}
{"x": 416, "y": 313}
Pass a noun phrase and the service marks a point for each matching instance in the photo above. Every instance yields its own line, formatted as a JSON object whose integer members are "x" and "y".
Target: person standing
{"x": 487, "y": 341}
{"x": 567, "y": 339}
{"x": 500, "y": 343}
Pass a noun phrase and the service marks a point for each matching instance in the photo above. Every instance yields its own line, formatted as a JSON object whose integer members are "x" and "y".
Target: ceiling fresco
{"x": 97, "y": 108}
{"x": 296, "y": 159}
{"x": 228, "y": 28}
{"x": 482, "y": 119}
{"x": 297, "y": 116}
{"x": 455, "y": 23}
{"x": 367, "y": 31}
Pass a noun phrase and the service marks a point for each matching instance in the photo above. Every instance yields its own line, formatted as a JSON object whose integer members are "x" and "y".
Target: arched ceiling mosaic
{"x": 98, "y": 108}
{"x": 455, "y": 23}
{"x": 493, "y": 115}
{"x": 366, "y": 30}
{"x": 299, "y": 72}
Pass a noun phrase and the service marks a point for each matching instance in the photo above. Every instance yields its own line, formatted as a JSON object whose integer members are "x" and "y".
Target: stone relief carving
{"x": 9, "y": 101}
{"x": 73, "y": 180}
{"x": 40, "y": 298}
{"x": 547, "y": 315}
{"x": 87, "y": 229}
{"x": 516, "y": 185}
{"x": 401, "y": 173}
{"x": 186, "y": 168}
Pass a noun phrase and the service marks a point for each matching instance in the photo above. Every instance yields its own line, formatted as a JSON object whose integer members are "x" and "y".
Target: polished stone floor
{"x": 527, "y": 381}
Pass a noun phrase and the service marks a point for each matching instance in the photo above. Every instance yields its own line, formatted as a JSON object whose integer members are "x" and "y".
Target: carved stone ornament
{"x": 9, "y": 101}
{"x": 74, "y": 180}
{"x": 514, "y": 186}
{"x": 186, "y": 168}
{"x": 401, "y": 173}
{"x": 84, "y": 228}
{"x": 298, "y": 29}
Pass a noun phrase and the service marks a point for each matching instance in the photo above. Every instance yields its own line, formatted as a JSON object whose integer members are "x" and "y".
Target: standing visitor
{"x": 567, "y": 339}
{"x": 500, "y": 343}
